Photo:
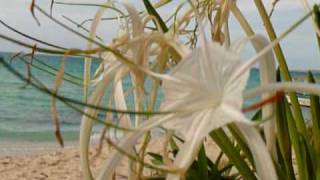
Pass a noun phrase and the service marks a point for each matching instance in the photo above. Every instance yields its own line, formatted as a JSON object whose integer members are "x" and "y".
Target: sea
{"x": 25, "y": 111}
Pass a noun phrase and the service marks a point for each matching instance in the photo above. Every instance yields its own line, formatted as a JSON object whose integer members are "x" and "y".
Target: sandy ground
{"x": 47, "y": 161}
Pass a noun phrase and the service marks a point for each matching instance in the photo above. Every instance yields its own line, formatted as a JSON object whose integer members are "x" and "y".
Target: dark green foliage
{"x": 202, "y": 168}
{"x": 316, "y": 12}
{"x": 154, "y": 13}
{"x": 284, "y": 151}
{"x": 315, "y": 138}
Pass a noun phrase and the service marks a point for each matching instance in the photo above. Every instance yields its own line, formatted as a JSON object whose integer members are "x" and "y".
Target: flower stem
{"x": 283, "y": 67}
{"x": 232, "y": 153}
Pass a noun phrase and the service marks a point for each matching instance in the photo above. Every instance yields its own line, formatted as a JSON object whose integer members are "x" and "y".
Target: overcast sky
{"x": 300, "y": 47}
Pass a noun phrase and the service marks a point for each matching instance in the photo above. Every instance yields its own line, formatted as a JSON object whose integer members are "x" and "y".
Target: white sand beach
{"x": 49, "y": 161}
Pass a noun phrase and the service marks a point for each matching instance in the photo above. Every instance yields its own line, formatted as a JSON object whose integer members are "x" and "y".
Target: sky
{"x": 300, "y": 47}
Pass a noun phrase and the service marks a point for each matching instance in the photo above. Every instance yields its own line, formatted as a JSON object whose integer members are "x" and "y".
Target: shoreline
{"x": 26, "y": 148}
{"x": 17, "y": 147}
{"x": 49, "y": 162}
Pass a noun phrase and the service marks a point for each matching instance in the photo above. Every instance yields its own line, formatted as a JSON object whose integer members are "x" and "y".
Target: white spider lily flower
{"x": 214, "y": 96}
{"x": 213, "y": 99}
{"x": 263, "y": 163}
{"x": 206, "y": 91}
{"x": 206, "y": 96}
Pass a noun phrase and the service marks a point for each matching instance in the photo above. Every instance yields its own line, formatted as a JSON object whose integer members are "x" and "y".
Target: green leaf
{"x": 202, "y": 163}
{"x": 240, "y": 140}
{"x": 283, "y": 137}
{"x": 223, "y": 141}
{"x": 156, "y": 178}
{"x": 214, "y": 172}
{"x": 154, "y": 13}
{"x": 308, "y": 156}
{"x": 316, "y": 12}
{"x": 280, "y": 165}
{"x": 296, "y": 109}
{"x": 257, "y": 116}
{"x": 157, "y": 158}
{"x": 297, "y": 146}
{"x": 315, "y": 112}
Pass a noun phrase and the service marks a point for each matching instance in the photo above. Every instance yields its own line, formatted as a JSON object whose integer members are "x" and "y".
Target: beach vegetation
{"x": 190, "y": 57}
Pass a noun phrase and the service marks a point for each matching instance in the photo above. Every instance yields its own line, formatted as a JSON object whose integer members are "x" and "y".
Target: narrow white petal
{"x": 283, "y": 86}
{"x": 119, "y": 97}
{"x": 189, "y": 150}
{"x": 131, "y": 138}
{"x": 261, "y": 156}
{"x": 109, "y": 167}
{"x": 234, "y": 114}
{"x": 87, "y": 123}
{"x": 267, "y": 75}
{"x": 137, "y": 25}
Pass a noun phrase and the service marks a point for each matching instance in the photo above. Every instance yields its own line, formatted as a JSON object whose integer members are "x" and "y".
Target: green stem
{"x": 283, "y": 139}
{"x": 203, "y": 164}
{"x": 232, "y": 153}
{"x": 283, "y": 67}
{"x": 241, "y": 142}
{"x": 297, "y": 145}
{"x": 154, "y": 13}
{"x": 315, "y": 106}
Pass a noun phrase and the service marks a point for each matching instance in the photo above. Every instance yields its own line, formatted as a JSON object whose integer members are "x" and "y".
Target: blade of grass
{"x": 315, "y": 112}
{"x": 241, "y": 143}
{"x": 280, "y": 165}
{"x": 29, "y": 74}
{"x": 52, "y": 51}
{"x": 283, "y": 67}
{"x": 154, "y": 13}
{"x": 50, "y": 72}
{"x": 41, "y": 63}
{"x": 316, "y": 12}
{"x": 283, "y": 137}
{"x": 32, "y": 5}
{"x": 232, "y": 153}
{"x": 54, "y": 111}
{"x": 30, "y": 37}
{"x": 308, "y": 155}
{"x": 202, "y": 163}
{"x": 122, "y": 15}
{"x": 297, "y": 146}
{"x": 315, "y": 116}
{"x": 51, "y": 7}
{"x": 159, "y": 4}
{"x": 80, "y": 26}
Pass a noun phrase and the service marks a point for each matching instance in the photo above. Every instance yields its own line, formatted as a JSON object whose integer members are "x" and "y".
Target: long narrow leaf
{"x": 54, "y": 111}
{"x": 154, "y": 13}
{"x": 232, "y": 153}
{"x": 315, "y": 112}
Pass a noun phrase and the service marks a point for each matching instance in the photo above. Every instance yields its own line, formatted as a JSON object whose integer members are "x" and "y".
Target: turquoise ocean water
{"x": 25, "y": 112}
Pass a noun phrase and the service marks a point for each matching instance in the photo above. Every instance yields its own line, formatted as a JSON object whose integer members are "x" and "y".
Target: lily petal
{"x": 261, "y": 156}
